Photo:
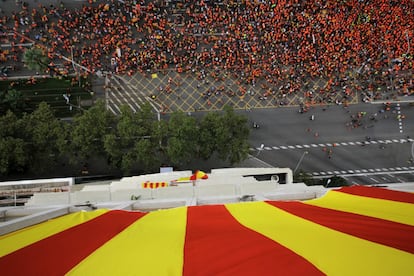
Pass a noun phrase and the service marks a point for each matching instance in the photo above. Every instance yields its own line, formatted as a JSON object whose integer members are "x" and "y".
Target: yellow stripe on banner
{"x": 153, "y": 245}
{"x": 333, "y": 252}
{"x": 380, "y": 208}
{"x": 26, "y": 236}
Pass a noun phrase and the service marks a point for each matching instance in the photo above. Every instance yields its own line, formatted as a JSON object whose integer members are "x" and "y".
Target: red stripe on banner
{"x": 62, "y": 251}
{"x": 393, "y": 234}
{"x": 217, "y": 244}
{"x": 380, "y": 193}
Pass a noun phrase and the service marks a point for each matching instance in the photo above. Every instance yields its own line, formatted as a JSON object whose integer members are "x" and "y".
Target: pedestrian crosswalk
{"x": 323, "y": 145}
{"x": 363, "y": 171}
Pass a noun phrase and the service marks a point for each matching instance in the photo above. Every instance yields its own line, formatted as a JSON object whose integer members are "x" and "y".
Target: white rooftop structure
{"x": 57, "y": 197}
{"x": 219, "y": 186}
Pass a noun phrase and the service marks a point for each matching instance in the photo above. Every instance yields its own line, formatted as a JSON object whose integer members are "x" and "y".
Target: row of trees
{"x": 11, "y": 99}
{"x": 130, "y": 142}
{"x": 333, "y": 181}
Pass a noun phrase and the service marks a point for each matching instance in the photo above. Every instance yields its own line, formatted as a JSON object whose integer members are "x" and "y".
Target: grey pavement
{"x": 286, "y": 135}
{"x": 190, "y": 92}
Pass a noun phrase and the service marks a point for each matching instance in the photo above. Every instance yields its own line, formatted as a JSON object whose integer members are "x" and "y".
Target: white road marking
{"x": 298, "y": 146}
{"x": 391, "y": 172}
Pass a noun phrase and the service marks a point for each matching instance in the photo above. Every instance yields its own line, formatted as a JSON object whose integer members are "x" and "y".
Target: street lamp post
{"x": 328, "y": 182}
{"x": 300, "y": 161}
{"x": 260, "y": 150}
{"x": 73, "y": 65}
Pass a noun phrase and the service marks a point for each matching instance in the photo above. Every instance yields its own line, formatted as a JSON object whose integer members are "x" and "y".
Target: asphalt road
{"x": 188, "y": 92}
{"x": 286, "y": 135}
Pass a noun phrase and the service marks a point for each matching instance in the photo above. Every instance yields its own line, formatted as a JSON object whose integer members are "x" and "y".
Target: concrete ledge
{"x": 217, "y": 200}
{"x": 291, "y": 195}
{"x": 152, "y": 205}
{"x": 19, "y": 223}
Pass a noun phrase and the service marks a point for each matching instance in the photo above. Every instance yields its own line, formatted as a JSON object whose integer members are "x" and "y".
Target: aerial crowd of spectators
{"x": 356, "y": 46}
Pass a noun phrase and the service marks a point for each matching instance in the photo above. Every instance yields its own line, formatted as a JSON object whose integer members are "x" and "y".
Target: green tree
{"x": 183, "y": 139}
{"x": 232, "y": 137}
{"x": 304, "y": 177}
{"x": 335, "y": 181}
{"x": 13, "y": 155}
{"x": 36, "y": 59}
{"x": 12, "y": 99}
{"x": 13, "y": 150}
{"x": 114, "y": 149}
{"x": 43, "y": 131}
{"x": 134, "y": 142}
{"x": 88, "y": 132}
{"x": 210, "y": 126}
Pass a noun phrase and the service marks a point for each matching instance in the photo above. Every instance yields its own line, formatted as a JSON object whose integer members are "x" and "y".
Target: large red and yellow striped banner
{"x": 349, "y": 231}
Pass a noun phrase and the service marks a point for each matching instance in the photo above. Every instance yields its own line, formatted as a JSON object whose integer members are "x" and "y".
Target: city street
{"x": 189, "y": 92}
{"x": 327, "y": 146}
{"x": 291, "y": 128}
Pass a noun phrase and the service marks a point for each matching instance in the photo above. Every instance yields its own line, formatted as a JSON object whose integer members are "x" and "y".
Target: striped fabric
{"x": 350, "y": 231}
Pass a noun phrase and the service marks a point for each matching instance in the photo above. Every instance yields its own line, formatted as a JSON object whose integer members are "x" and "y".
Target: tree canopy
{"x": 225, "y": 133}
{"x": 13, "y": 150}
{"x": 42, "y": 133}
{"x": 130, "y": 142}
{"x": 133, "y": 141}
{"x": 11, "y": 99}
{"x": 36, "y": 59}
{"x": 88, "y": 132}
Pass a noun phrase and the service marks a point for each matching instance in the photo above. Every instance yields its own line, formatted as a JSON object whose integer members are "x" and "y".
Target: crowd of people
{"x": 357, "y": 46}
